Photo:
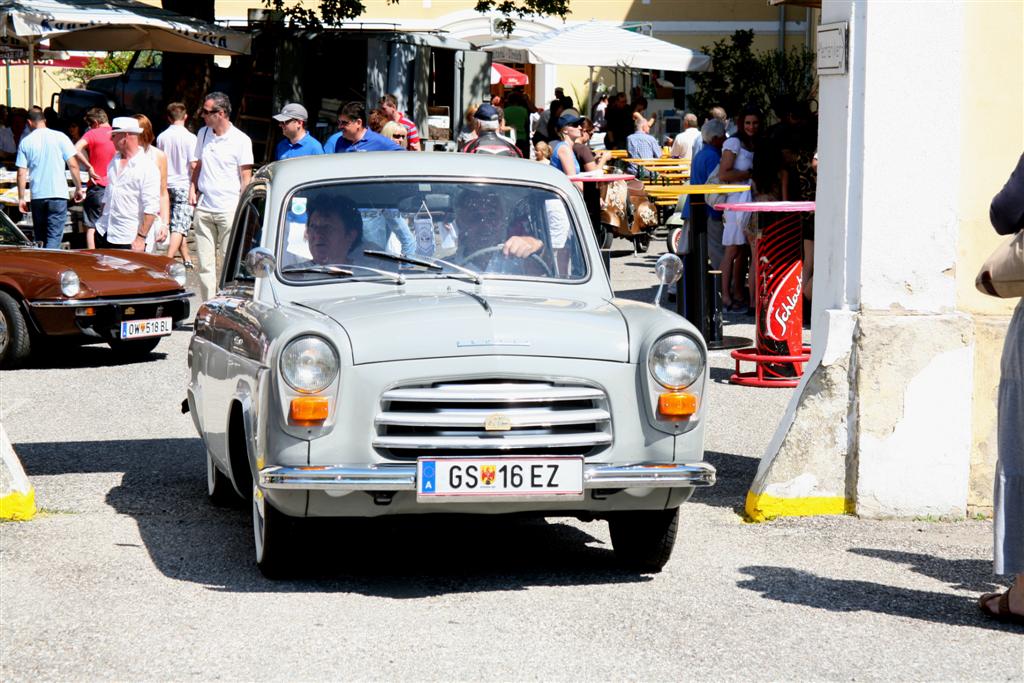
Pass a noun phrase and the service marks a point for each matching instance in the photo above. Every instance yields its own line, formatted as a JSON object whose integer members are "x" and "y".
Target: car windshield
{"x": 465, "y": 230}
{"x": 10, "y": 236}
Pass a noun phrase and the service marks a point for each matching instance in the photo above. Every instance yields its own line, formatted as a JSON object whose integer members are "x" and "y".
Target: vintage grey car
{"x": 422, "y": 333}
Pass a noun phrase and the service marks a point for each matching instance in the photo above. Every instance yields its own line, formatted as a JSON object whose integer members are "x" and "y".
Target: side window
{"x": 247, "y": 234}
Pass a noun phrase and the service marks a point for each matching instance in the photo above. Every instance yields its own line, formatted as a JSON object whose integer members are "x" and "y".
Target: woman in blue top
{"x": 562, "y": 156}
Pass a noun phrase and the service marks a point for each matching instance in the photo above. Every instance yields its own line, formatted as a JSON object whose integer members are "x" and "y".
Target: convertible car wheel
{"x": 15, "y": 343}
{"x": 218, "y": 486}
{"x": 135, "y": 349}
{"x": 643, "y": 540}
{"x": 272, "y": 531}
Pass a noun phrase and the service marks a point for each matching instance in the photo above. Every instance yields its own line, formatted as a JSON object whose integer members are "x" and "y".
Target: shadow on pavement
{"x": 164, "y": 489}
{"x": 796, "y": 587}
{"x": 735, "y": 475}
{"x": 964, "y": 574}
{"x": 56, "y": 356}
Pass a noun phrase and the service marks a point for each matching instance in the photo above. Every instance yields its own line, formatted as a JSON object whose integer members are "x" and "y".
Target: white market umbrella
{"x": 594, "y": 44}
{"x": 108, "y": 25}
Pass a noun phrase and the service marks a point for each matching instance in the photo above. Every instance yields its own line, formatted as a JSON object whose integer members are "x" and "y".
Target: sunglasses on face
{"x": 399, "y": 136}
{"x": 210, "y": 112}
{"x": 343, "y": 122}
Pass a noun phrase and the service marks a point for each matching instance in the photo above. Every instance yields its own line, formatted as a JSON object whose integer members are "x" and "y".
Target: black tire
{"x": 643, "y": 540}
{"x": 272, "y": 532}
{"x": 134, "y": 349}
{"x": 643, "y": 243}
{"x": 218, "y": 486}
{"x": 605, "y": 236}
{"x": 15, "y": 341}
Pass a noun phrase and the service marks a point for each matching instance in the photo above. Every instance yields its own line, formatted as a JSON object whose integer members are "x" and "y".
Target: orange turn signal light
{"x": 309, "y": 410}
{"x": 677, "y": 404}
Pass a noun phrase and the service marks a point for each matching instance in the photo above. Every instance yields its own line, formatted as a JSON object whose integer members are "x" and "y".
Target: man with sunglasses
{"x": 297, "y": 141}
{"x": 355, "y": 136}
{"x": 224, "y": 161}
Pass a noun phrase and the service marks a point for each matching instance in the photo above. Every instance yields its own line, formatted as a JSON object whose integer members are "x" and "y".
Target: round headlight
{"x": 177, "y": 271}
{"x": 676, "y": 361}
{"x": 309, "y": 364}
{"x": 69, "y": 283}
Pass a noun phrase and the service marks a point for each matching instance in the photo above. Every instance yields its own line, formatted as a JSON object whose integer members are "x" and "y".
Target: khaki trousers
{"x": 213, "y": 232}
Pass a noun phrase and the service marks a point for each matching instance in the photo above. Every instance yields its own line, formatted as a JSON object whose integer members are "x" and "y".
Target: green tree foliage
{"x": 336, "y": 11}
{"x": 113, "y": 62}
{"x": 743, "y": 77}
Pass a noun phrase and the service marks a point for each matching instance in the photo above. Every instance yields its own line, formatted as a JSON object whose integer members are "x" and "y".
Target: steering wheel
{"x": 487, "y": 251}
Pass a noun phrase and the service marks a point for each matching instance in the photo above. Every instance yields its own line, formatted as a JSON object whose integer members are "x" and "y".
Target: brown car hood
{"x": 35, "y": 273}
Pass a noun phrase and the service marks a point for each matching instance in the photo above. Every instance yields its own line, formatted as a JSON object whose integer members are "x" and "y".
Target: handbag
{"x": 713, "y": 198}
{"x": 1002, "y": 274}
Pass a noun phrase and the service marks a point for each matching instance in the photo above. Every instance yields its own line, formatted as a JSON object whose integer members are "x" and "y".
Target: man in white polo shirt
{"x": 132, "y": 198}
{"x": 223, "y": 168}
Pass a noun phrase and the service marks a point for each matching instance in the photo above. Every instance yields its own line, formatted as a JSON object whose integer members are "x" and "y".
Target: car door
{"x": 233, "y": 339}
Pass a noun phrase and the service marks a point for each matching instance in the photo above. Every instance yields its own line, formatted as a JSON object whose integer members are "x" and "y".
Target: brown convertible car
{"x": 125, "y": 299}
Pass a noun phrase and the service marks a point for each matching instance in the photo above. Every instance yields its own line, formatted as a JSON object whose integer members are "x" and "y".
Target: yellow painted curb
{"x": 761, "y": 507}
{"x": 18, "y": 506}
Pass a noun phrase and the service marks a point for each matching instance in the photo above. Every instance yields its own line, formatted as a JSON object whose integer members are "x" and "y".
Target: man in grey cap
{"x": 297, "y": 141}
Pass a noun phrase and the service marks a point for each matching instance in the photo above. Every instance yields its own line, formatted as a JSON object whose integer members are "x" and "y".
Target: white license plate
{"x": 473, "y": 479}
{"x": 153, "y": 327}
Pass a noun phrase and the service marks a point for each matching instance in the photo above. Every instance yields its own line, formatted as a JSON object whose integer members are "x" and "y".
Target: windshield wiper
{"x": 343, "y": 269}
{"x": 431, "y": 262}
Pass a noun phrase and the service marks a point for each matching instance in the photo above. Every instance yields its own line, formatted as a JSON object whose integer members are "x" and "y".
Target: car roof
{"x": 378, "y": 165}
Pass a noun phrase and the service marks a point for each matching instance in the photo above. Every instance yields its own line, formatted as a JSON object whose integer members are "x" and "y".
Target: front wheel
{"x": 643, "y": 540}
{"x": 134, "y": 349}
{"x": 272, "y": 530}
{"x": 15, "y": 343}
{"x": 672, "y": 241}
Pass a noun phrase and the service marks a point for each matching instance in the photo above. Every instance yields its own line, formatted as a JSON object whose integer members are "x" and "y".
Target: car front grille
{"x": 473, "y": 418}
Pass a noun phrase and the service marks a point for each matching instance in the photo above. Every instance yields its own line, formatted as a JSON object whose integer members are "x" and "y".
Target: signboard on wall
{"x": 833, "y": 48}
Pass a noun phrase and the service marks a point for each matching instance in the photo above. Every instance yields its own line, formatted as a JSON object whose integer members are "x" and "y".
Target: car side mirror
{"x": 668, "y": 268}
{"x": 261, "y": 262}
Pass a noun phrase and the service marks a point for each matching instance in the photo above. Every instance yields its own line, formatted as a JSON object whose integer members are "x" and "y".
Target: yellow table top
{"x": 717, "y": 189}
{"x": 618, "y": 153}
{"x": 664, "y": 161}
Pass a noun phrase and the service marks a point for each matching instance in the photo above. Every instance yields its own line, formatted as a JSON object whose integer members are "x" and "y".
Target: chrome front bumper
{"x": 403, "y": 477}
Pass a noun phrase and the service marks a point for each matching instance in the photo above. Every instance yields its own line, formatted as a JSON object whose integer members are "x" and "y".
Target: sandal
{"x": 1002, "y": 612}
{"x": 188, "y": 265}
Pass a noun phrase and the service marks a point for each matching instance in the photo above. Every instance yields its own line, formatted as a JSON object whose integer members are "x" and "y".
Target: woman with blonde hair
{"x": 397, "y": 133}
{"x": 159, "y": 231}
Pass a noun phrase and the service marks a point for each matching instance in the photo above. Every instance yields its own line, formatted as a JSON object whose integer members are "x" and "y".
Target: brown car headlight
{"x": 177, "y": 271}
{"x": 70, "y": 285}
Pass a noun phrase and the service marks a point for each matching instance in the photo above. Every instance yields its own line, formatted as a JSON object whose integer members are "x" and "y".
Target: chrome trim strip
{"x": 403, "y": 477}
{"x": 525, "y": 417}
{"x": 502, "y": 441}
{"x": 64, "y": 303}
{"x": 477, "y": 393}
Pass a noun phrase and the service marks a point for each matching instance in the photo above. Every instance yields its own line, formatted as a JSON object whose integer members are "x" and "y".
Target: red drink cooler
{"x": 779, "y": 354}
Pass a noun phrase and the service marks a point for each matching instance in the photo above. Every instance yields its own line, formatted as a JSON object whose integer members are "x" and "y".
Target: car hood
{"x": 405, "y": 326}
{"x": 103, "y": 273}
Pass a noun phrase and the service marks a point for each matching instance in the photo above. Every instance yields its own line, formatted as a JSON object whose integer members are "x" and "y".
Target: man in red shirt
{"x": 389, "y": 105}
{"x": 94, "y": 150}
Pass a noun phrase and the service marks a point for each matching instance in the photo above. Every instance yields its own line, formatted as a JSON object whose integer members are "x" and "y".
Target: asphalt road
{"x": 128, "y": 573}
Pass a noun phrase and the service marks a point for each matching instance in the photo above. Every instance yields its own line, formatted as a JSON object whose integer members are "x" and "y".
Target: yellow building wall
{"x": 48, "y": 81}
{"x": 991, "y": 141}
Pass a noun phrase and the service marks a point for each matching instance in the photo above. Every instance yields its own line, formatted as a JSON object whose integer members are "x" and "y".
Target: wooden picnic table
{"x": 663, "y": 161}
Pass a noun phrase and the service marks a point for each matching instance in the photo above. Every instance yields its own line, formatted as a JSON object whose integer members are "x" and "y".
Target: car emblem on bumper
{"x": 497, "y": 422}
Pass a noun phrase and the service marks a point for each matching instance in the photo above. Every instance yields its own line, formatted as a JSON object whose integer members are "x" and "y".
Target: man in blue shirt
{"x": 706, "y": 161}
{"x": 356, "y": 137}
{"x": 642, "y": 145}
{"x": 41, "y": 158}
{"x": 297, "y": 141}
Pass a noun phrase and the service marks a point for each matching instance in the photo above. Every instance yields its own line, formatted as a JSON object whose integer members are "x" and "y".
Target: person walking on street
{"x": 297, "y": 141}
{"x": 177, "y": 143}
{"x": 223, "y": 168}
{"x": 1007, "y": 216}
{"x": 146, "y": 140}
{"x": 42, "y": 155}
{"x": 94, "y": 151}
{"x": 488, "y": 119}
{"x": 389, "y": 105}
{"x": 356, "y": 137}
{"x": 132, "y": 200}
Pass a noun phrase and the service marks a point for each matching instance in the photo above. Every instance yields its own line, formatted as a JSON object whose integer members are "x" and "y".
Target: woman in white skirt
{"x": 737, "y": 161}
{"x": 1007, "y": 215}
{"x": 159, "y": 231}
